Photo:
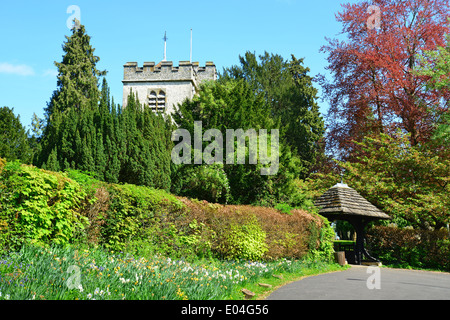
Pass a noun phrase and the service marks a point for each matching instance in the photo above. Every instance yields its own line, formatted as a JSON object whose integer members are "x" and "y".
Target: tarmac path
{"x": 368, "y": 283}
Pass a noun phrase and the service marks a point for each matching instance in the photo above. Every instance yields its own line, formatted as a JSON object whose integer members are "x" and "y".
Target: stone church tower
{"x": 163, "y": 86}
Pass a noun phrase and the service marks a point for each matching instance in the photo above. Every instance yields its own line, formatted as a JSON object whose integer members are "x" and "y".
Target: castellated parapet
{"x": 163, "y": 86}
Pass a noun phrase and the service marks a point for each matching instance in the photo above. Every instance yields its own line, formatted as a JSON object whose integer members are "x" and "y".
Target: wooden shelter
{"x": 341, "y": 202}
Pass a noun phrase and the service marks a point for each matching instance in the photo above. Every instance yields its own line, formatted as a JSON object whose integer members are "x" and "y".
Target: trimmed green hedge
{"x": 44, "y": 207}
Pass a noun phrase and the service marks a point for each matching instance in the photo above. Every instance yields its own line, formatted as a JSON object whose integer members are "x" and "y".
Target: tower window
{"x": 157, "y": 101}
{"x": 161, "y": 102}
{"x": 152, "y": 100}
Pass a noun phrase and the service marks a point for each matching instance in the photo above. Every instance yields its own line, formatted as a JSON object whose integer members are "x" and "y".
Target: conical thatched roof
{"x": 341, "y": 200}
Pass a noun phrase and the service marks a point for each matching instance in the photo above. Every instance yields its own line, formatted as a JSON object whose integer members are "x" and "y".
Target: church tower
{"x": 162, "y": 86}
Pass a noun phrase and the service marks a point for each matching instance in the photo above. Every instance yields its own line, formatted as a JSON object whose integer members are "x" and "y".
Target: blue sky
{"x": 32, "y": 34}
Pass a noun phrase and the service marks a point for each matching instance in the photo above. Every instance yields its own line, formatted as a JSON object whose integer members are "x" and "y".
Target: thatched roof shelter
{"x": 341, "y": 202}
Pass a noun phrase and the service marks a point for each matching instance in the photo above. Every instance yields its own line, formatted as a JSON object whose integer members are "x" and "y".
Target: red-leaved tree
{"x": 373, "y": 88}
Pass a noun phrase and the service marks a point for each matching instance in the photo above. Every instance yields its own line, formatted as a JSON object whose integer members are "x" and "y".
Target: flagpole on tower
{"x": 190, "y": 56}
{"x": 165, "y": 39}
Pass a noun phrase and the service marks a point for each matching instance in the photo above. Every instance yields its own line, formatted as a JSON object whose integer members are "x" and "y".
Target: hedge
{"x": 47, "y": 207}
{"x": 411, "y": 248}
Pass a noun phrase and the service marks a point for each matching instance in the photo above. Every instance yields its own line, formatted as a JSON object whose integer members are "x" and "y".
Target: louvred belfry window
{"x": 161, "y": 102}
{"x": 152, "y": 100}
{"x": 157, "y": 101}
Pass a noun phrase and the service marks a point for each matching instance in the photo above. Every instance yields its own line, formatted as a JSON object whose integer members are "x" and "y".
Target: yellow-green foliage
{"x": 2, "y": 164}
{"x": 38, "y": 206}
{"x": 142, "y": 214}
{"x": 244, "y": 240}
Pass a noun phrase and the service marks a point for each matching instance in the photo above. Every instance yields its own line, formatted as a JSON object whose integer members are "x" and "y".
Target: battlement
{"x": 163, "y": 86}
{"x": 165, "y": 71}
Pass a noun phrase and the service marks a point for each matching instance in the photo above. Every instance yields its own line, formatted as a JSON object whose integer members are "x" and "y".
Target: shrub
{"x": 284, "y": 208}
{"x": 45, "y": 207}
{"x": 206, "y": 182}
{"x": 243, "y": 240}
{"x": 136, "y": 213}
{"x": 38, "y": 206}
{"x": 286, "y": 236}
{"x": 407, "y": 247}
{"x": 321, "y": 245}
{"x": 94, "y": 206}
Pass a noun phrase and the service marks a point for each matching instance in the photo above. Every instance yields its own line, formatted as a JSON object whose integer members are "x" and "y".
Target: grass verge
{"x": 71, "y": 273}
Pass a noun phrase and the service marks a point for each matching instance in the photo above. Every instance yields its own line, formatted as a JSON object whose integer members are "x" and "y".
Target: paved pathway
{"x": 354, "y": 283}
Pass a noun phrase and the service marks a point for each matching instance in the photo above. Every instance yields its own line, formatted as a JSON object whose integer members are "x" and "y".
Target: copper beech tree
{"x": 373, "y": 88}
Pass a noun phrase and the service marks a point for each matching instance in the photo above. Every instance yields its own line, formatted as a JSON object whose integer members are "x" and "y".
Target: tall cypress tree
{"x": 137, "y": 167}
{"x": 85, "y": 130}
{"x": 14, "y": 142}
{"x": 70, "y": 112}
{"x": 78, "y": 75}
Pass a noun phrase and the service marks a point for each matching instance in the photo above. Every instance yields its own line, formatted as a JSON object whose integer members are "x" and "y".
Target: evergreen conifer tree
{"x": 70, "y": 127}
{"x": 289, "y": 91}
{"x": 14, "y": 142}
{"x": 87, "y": 131}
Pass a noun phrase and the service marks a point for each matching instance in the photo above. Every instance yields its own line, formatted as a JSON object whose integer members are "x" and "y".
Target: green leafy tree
{"x": 435, "y": 65}
{"x": 235, "y": 105}
{"x": 289, "y": 91}
{"x": 410, "y": 183}
{"x": 14, "y": 142}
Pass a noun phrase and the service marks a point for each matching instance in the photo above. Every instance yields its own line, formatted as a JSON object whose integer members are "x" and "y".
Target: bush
{"x": 410, "y": 248}
{"x": 284, "y": 208}
{"x": 321, "y": 244}
{"x": 45, "y": 207}
{"x": 138, "y": 214}
{"x": 243, "y": 240}
{"x": 286, "y": 236}
{"x": 38, "y": 206}
{"x": 206, "y": 182}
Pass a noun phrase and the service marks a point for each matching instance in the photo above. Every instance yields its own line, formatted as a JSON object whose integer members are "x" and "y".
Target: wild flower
{"x": 150, "y": 277}
{"x": 123, "y": 280}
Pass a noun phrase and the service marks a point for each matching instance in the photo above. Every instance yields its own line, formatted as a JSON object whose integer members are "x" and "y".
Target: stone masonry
{"x": 163, "y": 86}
